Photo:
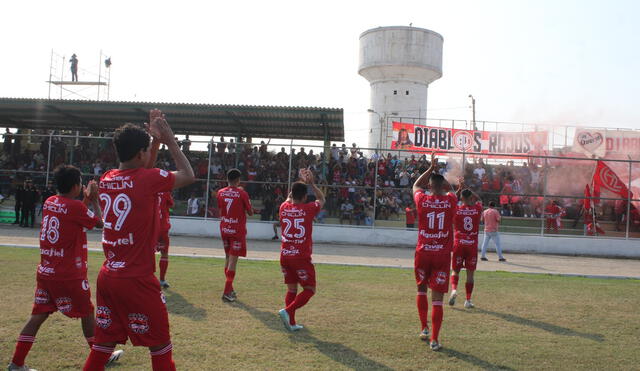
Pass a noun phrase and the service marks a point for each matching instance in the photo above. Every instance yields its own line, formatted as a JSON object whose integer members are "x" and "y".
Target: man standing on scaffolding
{"x": 74, "y": 68}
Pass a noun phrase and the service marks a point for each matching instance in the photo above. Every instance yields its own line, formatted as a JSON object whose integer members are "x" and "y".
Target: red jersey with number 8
{"x": 233, "y": 203}
{"x": 435, "y": 222}
{"x": 467, "y": 224}
{"x": 296, "y": 222}
{"x": 63, "y": 239}
{"x": 129, "y": 202}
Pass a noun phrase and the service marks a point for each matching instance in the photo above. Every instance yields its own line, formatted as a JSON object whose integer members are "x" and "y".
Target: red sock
{"x": 300, "y": 300}
{"x": 423, "y": 308}
{"x": 23, "y": 345}
{"x": 469, "y": 287}
{"x": 164, "y": 264}
{"x": 436, "y": 319}
{"x": 290, "y": 297}
{"x": 228, "y": 286}
{"x": 97, "y": 358}
{"x": 161, "y": 360}
{"x": 91, "y": 341}
{"x": 454, "y": 281}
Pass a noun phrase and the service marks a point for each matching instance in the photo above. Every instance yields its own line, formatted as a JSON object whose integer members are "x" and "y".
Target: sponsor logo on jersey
{"x": 46, "y": 270}
{"x": 42, "y": 296}
{"x": 290, "y": 251}
{"x": 64, "y": 304}
{"x": 52, "y": 252}
{"x": 434, "y": 247}
{"x": 228, "y": 230}
{"x": 138, "y": 323}
{"x": 436, "y": 204}
{"x": 117, "y": 183}
{"x": 440, "y": 234}
{"x": 103, "y": 317}
{"x": 55, "y": 207}
{"x": 112, "y": 265}
{"x": 119, "y": 242}
{"x": 164, "y": 173}
{"x": 229, "y": 192}
{"x": 293, "y": 213}
{"x": 230, "y": 220}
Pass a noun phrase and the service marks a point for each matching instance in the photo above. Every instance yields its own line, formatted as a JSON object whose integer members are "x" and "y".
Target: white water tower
{"x": 399, "y": 62}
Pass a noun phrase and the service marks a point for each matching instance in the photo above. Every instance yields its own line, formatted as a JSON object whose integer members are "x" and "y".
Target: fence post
{"x": 290, "y": 160}
{"x": 544, "y": 197}
{"x": 628, "y": 215}
{"x": 49, "y": 158}
{"x": 375, "y": 190}
{"x": 206, "y": 200}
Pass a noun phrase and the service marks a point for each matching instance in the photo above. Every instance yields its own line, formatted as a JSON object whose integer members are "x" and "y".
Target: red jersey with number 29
{"x": 63, "y": 239}
{"x": 129, "y": 201}
{"x": 233, "y": 203}
{"x": 296, "y": 223}
{"x": 467, "y": 223}
{"x": 435, "y": 222}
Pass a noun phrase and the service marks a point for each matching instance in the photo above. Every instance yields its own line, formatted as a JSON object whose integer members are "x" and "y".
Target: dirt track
{"x": 367, "y": 255}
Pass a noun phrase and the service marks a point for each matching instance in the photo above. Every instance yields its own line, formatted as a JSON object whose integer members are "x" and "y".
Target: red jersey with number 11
{"x": 233, "y": 203}
{"x": 435, "y": 222}
{"x": 129, "y": 202}
{"x": 296, "y": 223}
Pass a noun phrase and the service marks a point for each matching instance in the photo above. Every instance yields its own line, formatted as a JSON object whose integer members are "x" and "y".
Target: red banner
{"x": 419, "y": 138}
{"x": 605, "y": 178}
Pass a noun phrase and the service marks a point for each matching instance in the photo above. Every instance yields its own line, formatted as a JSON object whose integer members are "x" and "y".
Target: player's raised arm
{"x": 155, "y": 138}
{"x": 184, "y": 174}
{"x": 423, "y": 179}
{"x": 91, "y": 195}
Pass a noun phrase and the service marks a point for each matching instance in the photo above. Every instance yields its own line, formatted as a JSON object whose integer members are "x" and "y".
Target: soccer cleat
{"x": 452, "y": 297}
{"x": 286, "y": 321}
{"x": 115, "y": 356}
{"x": 234, "y": 294}
{"x": 424, "y": 335}
{"x": 228, "y": 298}
{"x": 274, "y": 238}
{"x": 484, "y": 259}
{"x": 164, "y": 284}
{"x": 435, "y": 346}
{"x": 296, "y": 327}
{"x": 502, "y": 259}
{"x": 13, "y": 367}
{"x": 468, "y": 304}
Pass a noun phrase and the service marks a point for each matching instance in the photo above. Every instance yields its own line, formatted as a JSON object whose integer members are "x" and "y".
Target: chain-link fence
{"x": 541, "y": 195}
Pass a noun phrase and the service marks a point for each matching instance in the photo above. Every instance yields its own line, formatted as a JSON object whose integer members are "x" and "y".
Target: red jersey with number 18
{"x": 233, "y": 203}
{"x": 296, "y": 221}
{"x": 467, "y": 224}
{"x": 63, "y": 239}
{"x": 435, "y": 222}
{"x": 129, "y": 201}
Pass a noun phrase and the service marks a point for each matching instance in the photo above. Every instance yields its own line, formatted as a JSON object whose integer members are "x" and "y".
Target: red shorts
{"x": 298, "y": 270}
{"x": 432, "y": 270}
{"x": 131, "y": 308}
{"x": 234, "y": 245}
{"x": 163, "y": 241}
{"x": 71, "y": 297}
{"x": 464, "y": 256}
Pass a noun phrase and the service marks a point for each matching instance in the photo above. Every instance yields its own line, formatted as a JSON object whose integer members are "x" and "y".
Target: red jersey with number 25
{"x": 129, "y": 201}
{"x": 165, "y": 202}
{"x": 296, "y": 223}
{"x": 233, "y": 203}
{"x": 63, "y": 239}
{"x": 467, "y": 223}
{"x": 435, "y": 222}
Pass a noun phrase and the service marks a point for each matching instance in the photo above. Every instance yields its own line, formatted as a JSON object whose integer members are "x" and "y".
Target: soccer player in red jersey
{"x": 129, "y": 299}
{"x": 62, "y": 283}
{"x": 165, "y": 202}
{"x": 296, "y": 218}
{"x": 234, "y": 205}
{"x": 436, "y": 209}
{"x": 465, "y": 242}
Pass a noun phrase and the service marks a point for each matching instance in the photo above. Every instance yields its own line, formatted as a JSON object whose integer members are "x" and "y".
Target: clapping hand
{"x": 91, "y": 191}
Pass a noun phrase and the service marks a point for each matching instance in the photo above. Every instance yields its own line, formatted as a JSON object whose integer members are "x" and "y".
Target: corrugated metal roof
{"x": 306, "y": 123}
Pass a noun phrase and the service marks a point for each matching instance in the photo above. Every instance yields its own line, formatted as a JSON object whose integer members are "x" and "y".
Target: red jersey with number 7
{"x": 435, "y": 222}
{"x": 296, "y": 223}
{"x": 467, "y": 224}
{"x": 233, "y": 203}
{"x": 129, "y": 202}
{"x": 63, "y": 239}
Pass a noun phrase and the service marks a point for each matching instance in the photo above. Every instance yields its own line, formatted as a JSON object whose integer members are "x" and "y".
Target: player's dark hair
{"x": 66, "y": 176}
{"x": 492, "y": 204}
{"x": 128, "y": 140}
{"x": 466, "y": 193}
{"x": 437, "y": 179}
{"x": 298, "y": 191}
{"x": 233, "y": 174}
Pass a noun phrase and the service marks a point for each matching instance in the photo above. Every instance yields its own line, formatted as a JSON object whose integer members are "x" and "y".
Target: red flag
{"x": 587, "y": 198}
{"x": 606, "y": 178}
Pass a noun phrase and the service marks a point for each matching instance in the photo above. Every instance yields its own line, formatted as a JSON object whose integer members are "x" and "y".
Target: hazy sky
{"x": 555, "y": 62}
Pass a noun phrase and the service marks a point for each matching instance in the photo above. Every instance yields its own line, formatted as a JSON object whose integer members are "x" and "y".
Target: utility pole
{"x": 473, "y": 111}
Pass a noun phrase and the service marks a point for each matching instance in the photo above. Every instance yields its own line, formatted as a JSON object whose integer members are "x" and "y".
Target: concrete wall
{"x": 326, "y": 233}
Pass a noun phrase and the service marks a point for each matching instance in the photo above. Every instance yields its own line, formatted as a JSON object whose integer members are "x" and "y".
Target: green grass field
{"x": 361, "y": 318}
